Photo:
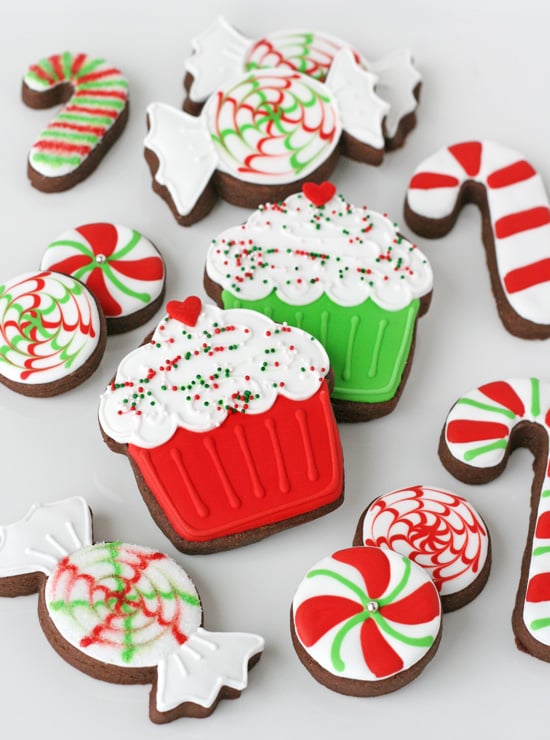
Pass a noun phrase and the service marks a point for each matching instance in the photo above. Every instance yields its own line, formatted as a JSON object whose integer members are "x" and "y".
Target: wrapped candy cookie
{"x": 263, "y": 132}
{"x": 221, "y": 53}
{"x": 122, "y": 613}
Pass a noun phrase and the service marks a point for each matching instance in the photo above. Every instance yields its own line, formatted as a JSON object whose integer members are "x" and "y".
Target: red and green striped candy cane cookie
{"x": 366, "y": 621}
{"x": 96, "y": 111}
{"x": 119, "y": 265}
{"x": 481, "y": 430}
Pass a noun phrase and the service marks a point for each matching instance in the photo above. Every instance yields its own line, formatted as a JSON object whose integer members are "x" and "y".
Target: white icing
{"x": 512, "y": 252}
{"x": 45, "y": 535}
{"x": 290, "y": 231}
{"x": 440, "y": 531}
{"x": 351, "y": 649}
{"x": 69, "y": 327}
{"x": 202, "y": 666}
{"x": 362, "y": 110}
{"x": 186, "y": 154}
{"x": 239, "y": 343}
{"x": 397, "y": 80}
{"x": 82, "y": 602}
{"x": 218, "y": 54}
{"x": 258, "y": 152}
{"x": 138, "y": 292}
{"x": 535, "y": 396}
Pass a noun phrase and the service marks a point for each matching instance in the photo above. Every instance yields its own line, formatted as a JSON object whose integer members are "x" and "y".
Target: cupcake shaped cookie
{"x": 226, "y": 419}
{"x": 341, "y": 272}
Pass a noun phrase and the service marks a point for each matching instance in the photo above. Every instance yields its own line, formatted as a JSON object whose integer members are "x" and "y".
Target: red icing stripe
{"x": 463, "y": 430}
{"x": 102, "y": 237}
{"x": 429, "y": 180}
{"x": 526, "y": 277}
{"x": 147, "y": 268}
{"x": 39, "y": 72}
{"x": 515, "y": 223}
{"x": 109, "y": 304}
{"x": 517, "y": 172}
{"x": 538, "y": 588}
{"x": 78, "y": 61}
{"x": 91, "y": 111}
{"x": 373, "y": 565}
{"x": 58, "y": 67}
{"x": 543, "y": 526}
{"x": 93, "y": 76}
{"x": 502, "y": 393}
{"x": 78, "y": 127}
{"x": 65, "y": 146}
{"x": 422, "y": 605}
{"x": 468, "y": 155}
{"x": 115, "y": 94}
{"x": 71, "y": 264}
{"x": 378, "y": 654}
{"x": 316, "y": 616}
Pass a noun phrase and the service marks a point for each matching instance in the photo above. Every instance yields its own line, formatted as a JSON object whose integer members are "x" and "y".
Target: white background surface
{"x": 485, "y": 68}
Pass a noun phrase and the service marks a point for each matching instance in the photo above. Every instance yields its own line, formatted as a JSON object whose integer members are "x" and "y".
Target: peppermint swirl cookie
{"x": 121, "y": 267}
{"x": 95, "y": 115}
{"x": 439, "y": 531}
{"x": 52, "y": 333}
{"x": 342, "y": 272}
{"x": 226, "y": 419}
{"x": 365, "y": 621}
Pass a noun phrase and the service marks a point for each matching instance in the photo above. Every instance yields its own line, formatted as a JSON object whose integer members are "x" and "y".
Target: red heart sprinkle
{"x": 318, "y": 194}
{"x": 186, "y": 311}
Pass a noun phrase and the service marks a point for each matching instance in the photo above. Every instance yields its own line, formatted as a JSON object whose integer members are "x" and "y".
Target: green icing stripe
{"x": 535, "y": 397}
{"x": 538, "y": 624}
{"x": 123, "y": 251}
{"x": 114, "y": 103}
{"x": 426, "y": 641}
{"x": 86, "y": 118}
{"x": 545, "y": 494}
{"x": 500, "y": 444}
{"x": 67, "y": 63}
{"x": 369, "y": 365}
{"x": 100, "y": 84}
{"x": 400, "y": 586}
{"x": 59, "y": 134}
{"x": 335, "y": 656}
{"x": 89, "y": 67}
{"x": 55, "y": 160}
{"x": 363, "y": 598}
{"x": 486, "y": 407}
{"x": 543, "y": 550}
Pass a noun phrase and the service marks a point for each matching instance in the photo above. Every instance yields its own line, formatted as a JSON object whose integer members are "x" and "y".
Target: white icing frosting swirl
{"x": 302, "y": 251}
{"x": 234, "y": 361}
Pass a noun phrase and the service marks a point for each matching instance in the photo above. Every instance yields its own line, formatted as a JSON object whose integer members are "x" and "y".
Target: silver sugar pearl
{"x": 372, "y": 607}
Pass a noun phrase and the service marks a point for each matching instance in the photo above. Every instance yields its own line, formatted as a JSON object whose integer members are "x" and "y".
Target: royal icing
{"x": 436, "y": 529}
{"x": 517, "y": 208}
{"x": 100, "y": 95}
{"x": 220, "y": 54}
{"x": 119, "y": 265}
{"x": 301, "y": 251}
{"x": 195, "y": 375}
{"x": 342, "y": 272}
{"x": 480, "y": 431}
{"x": 366, "y": 614}
{"x": 125, "y": 606}
{"x": 49, "y": 327}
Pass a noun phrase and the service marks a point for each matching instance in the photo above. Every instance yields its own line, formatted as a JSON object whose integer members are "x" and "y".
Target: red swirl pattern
{"x": 436, "y": 529}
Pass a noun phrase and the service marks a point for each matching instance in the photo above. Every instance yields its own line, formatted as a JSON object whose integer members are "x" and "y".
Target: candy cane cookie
{"x": 119, "y": 265}
{"x": 262, "y": 135}
{"x": 515, "y": 223}
{"x": 123, "y": 613}
{"x": 439, "y": 531}
{"x": 365, "y": 621}
{"x": 221, "y": 53}
{"x": 95, "y": 114}
{"x": 52, "y": 333}
{"x": 481, "y": 430}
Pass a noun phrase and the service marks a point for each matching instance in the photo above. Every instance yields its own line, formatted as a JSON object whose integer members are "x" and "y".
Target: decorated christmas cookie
{"x": 119, "y": 265}
{"x": 52, "y": 333}
{"x": 264, "y": 131}
{"x": 481, "y": 430}
{"x": 439, "y": 531}
{"x": 226, "y": 419}
{"x": 221, "y": 53}
{"x": 122, "y": 613}
{"x": 96, "y": 111}
{"x": 366, "y": 621}
{"x": 343, "y": 273}
{"x": 515, "y": 223}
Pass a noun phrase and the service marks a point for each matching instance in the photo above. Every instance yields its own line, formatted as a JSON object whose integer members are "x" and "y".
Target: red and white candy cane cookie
{"x": 119, "y": 265}
{"x": 481, "y": 430}
{"x": 515, "y": 229}
{"x": 365, "y": 621}
{"x": 95, "y": 115}
{"x": 439, "y": 531}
